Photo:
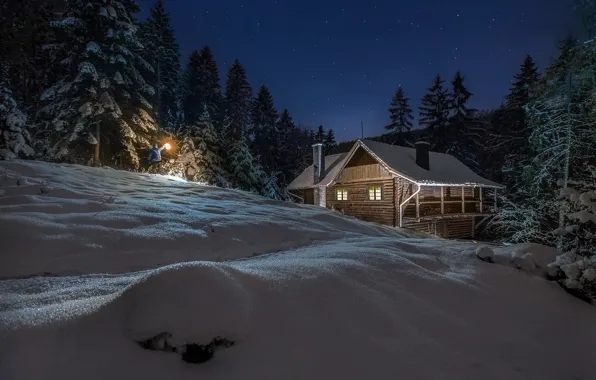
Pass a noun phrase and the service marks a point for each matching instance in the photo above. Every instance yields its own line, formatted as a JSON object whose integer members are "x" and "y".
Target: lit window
{"x": 342, "y": 194}
{"x": 374, "y": 193}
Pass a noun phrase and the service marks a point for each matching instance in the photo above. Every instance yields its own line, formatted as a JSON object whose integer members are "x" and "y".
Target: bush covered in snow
{"x": 576, "y": 267}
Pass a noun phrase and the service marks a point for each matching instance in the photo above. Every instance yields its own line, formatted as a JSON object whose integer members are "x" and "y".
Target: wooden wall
{"x": 368, "y": 171}
{"x": 450, "y": 228}
{"x": 307, "y": 194}
{"x": 359, "y": 206}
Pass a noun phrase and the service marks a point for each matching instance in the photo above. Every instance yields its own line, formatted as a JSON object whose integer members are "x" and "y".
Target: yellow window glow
{"x": 342, "y": 194}
{"x": 374, "y": 193}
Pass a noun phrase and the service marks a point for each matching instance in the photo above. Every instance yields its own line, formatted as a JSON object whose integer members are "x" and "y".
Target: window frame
{"x": 374, "y": 198}
{"x": 345, "y": 194}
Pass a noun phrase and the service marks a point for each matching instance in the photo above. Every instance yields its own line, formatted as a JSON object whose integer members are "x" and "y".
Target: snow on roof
{"x": 444, "y": 169}
{"x": 333, "y": 163}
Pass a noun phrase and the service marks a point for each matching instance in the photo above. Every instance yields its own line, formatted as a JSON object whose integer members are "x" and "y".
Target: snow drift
{"x": 325, "y": 297}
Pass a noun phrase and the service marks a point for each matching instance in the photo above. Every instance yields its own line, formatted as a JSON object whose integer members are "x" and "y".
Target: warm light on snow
{"x": 299, "y": 289}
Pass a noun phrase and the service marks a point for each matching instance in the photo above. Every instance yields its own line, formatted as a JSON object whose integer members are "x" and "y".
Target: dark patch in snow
{"x": 191, "y": 352}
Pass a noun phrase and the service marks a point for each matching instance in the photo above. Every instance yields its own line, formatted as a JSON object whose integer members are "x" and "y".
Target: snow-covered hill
{"x": 304, "y": 293}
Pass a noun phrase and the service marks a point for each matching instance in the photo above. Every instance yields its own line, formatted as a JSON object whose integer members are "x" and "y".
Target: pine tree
{"x": 515, "y": 130}
{"x": 264, "y": 129}
{"x": 15, "y": 140}
{"x": 523, "y": 82}
{"x": 161, "y": 50}
{"x": 576, "y": 267}
{"x": 559, "y": 116}
{"x": 102, "y": 96}
{"x": 244, "y": 170}
{"x": 587, "y": 10}
{"x": 320, "y": 135}
{"x": 459, "y": 98}
{"x": 238, "y": 101}
{"x": 558, "y": 69}
{"x": 26, "y": 46}
{"x": 207, "y": 151}
{"x": 401, "y": 115}
{"x": 202, "y": 81}
{"x": 465, "y": 130}
{"x": 192, "y": 97}
{"x": 330, "y": 144}
{"x": 434, "y": 111}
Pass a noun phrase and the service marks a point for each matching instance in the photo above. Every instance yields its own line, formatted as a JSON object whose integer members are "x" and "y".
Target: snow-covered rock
{"x": 485, "y": 253}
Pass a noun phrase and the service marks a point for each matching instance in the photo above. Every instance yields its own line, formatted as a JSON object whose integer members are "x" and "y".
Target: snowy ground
{"x": 304, "y": 292}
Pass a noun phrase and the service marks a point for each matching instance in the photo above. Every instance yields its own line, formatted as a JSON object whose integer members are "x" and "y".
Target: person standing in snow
{"x": 155, "y": 158}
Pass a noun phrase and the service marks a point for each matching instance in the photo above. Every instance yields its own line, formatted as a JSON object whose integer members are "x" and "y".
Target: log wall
{"x": 308, "y": 195}
{"x": 358, "y": 205}
{"x": 452, "y": 228}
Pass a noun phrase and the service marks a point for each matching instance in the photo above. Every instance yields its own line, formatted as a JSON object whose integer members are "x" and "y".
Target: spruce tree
{"x": 161, "y": 50}
{"x": 330, "y": 143}
{"x": 207, "y": 151}
{"x": 264, "y": 129}
{"x": 516, "y": 131}
{"x": 245, "y": 172}
{"x": 238, "y": 101}
{"x": 320, "y": 135}
{"x": 27, "y": 46}
{"x": 192, "y": 105}
{"x": 400, "y": 114}
{"x": 459, "y": 97}
{"x": 523, "y": 82}
{"x": 15, "y": 141}
{"x": 466, "y": 131}
{"x": 288, "y": 146}
{"x": 101, "y": 98}
{"x": 208, "y": 80}
{"x": 434, "y": 112}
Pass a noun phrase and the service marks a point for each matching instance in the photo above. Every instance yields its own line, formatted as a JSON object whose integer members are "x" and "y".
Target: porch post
{"x": 442, "y": 200}
{"x": 481, "y": 204}
{"x": 417, "y": 205}
{"x": 463, "y": 202}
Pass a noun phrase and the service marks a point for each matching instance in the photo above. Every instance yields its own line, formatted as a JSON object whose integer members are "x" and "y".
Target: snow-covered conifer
{"x": 577, "y": 265}
{"x": 209, "y": 166}
{"x": 102, "y": 96}
{"x": 15, "y": 140}
{"x": 161, "y": 50}
{"x": 238, "y": 102}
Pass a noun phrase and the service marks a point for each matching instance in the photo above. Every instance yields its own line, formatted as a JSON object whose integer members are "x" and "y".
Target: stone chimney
{"x": 318, "y": 162}
{"x": 422, "y": 154}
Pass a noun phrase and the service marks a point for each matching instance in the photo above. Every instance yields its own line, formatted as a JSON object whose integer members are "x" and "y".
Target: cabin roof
{"x": 333, "y": 163}
{"x": 445, "y": 170}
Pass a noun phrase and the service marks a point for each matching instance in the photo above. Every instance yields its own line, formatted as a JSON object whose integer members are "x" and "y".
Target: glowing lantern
{"x": 168, "y": 146}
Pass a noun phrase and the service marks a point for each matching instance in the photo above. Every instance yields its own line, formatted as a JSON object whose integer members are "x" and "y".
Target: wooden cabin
{"x": 398, "y": 186}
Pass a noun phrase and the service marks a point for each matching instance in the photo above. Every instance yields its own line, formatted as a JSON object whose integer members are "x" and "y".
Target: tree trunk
{"x": 567, "y": 158}
{"x": 97, "y": 138}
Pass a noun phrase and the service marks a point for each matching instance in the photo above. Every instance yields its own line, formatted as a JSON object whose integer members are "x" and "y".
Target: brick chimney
{"x": 318, "y": 162}
{"x": 422, "y": 154}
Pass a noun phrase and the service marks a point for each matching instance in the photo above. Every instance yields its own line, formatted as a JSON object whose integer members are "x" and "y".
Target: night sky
{"x": 336, "y": 63}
